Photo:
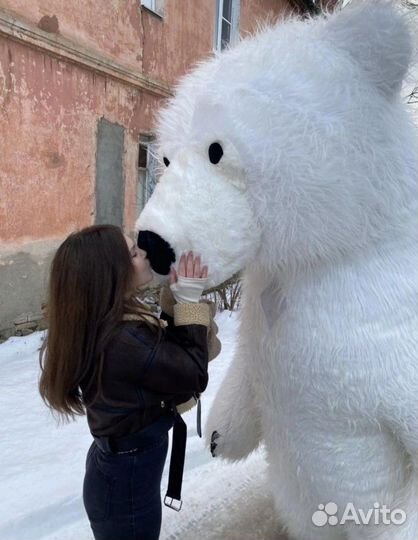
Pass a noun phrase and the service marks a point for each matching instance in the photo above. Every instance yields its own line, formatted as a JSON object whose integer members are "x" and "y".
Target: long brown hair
{"x": 90, "y": 275}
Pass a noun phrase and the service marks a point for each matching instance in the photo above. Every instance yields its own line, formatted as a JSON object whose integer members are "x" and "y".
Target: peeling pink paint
{"x": 112, "y": 27}
{"x": 48, "y": 139}
{"x": 184, "y": 36}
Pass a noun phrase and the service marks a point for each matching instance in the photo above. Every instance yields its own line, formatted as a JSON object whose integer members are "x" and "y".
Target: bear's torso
{"x": 327, "y": 363}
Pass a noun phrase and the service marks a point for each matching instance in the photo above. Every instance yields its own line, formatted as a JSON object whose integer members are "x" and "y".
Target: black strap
{"x": 199, "y": 418}
{"x": 175, "y": 475}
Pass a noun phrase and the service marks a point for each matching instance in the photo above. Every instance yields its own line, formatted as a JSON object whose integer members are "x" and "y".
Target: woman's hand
{"x": 188, "y": 267}
{"x": 189, "y": 284}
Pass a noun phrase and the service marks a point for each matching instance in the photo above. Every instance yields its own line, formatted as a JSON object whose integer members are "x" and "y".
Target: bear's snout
{"x": 159, "y": 252}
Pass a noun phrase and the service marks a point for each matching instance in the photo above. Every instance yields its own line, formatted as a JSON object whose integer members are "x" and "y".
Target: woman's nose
{"x": 143, "y": 253}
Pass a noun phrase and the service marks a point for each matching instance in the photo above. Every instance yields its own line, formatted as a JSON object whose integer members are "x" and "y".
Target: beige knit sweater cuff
{"x": 192, "y": 314}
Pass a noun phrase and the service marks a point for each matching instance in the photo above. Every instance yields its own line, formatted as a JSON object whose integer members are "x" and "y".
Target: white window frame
{"x": 155, "y": 6}
{"x": 150, "y": 4}
{"x": 220, "y": 20}
{"x": 147, "y": 176}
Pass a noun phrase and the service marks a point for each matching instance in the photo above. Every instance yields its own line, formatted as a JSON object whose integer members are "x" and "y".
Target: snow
{"x": 42, "y": 464}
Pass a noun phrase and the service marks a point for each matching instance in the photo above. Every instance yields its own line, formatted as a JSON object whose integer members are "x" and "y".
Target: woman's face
{"x": 142, "y": 266}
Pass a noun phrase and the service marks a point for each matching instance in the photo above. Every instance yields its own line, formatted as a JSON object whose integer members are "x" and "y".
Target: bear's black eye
{"x": 166, "y": 161}
{"x": 215, "y": 153}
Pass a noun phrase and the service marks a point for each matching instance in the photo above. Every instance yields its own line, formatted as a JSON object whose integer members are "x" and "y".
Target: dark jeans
{"x": 122, "y": 492}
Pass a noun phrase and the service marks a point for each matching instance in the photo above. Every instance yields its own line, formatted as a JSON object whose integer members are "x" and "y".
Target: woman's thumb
{"x": 172, "y": 277}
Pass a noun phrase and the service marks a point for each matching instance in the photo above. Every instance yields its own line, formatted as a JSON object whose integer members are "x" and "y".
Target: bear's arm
{"x": 235, "y": 414}
{"x": 400, "y": 408}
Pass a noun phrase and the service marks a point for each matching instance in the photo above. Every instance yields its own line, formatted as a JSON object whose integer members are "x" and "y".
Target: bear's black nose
{"x": 159, "y": 252}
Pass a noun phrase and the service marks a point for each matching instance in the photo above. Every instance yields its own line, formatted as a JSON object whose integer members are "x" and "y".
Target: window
{"x": 147, "y": 170}
{"x": 156, "y": 6}
{"x": 227, "y": 23}
{"x": 150, "y": 4}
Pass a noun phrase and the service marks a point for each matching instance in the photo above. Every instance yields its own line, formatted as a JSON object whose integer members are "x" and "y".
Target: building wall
{"x": 48, "y": 162}
{"x": 254, "y": 12}
{"x": 48, "y": 143}
{"x": 113, "y": 27}
{"x": 119, "y": 29}
{"x": 125, "y": 61}
{"x": 175, "y": 44}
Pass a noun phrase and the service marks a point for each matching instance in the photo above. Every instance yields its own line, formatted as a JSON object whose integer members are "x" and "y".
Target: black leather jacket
{"x": 140, "y": 380}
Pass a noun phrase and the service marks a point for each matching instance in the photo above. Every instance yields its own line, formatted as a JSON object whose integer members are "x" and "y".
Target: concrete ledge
{"x": 66, "y": 50}
{"x": 24, "y": 272}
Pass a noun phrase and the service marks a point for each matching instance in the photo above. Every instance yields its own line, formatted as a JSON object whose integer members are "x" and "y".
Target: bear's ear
{"x": 378, "y": 38}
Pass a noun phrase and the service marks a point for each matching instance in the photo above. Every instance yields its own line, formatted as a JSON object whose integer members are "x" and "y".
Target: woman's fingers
{"x": 189, "y": 264}
{"x": 197, "y": 267}
{"x": 182, "y": 265}
{"x": 172, "y": 277}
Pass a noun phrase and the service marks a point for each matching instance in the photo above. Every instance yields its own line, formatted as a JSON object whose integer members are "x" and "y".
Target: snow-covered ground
{"x": 42, "y": 464}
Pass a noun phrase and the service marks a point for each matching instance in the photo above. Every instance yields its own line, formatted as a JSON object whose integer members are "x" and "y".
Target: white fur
{"x": 316, "y": 196}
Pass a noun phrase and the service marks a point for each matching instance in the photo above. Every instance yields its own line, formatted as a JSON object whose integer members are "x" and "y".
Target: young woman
{"x": 106, "y": 355}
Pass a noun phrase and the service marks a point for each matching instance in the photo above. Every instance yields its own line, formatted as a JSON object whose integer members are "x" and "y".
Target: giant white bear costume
{"x": 292, "y": 156}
